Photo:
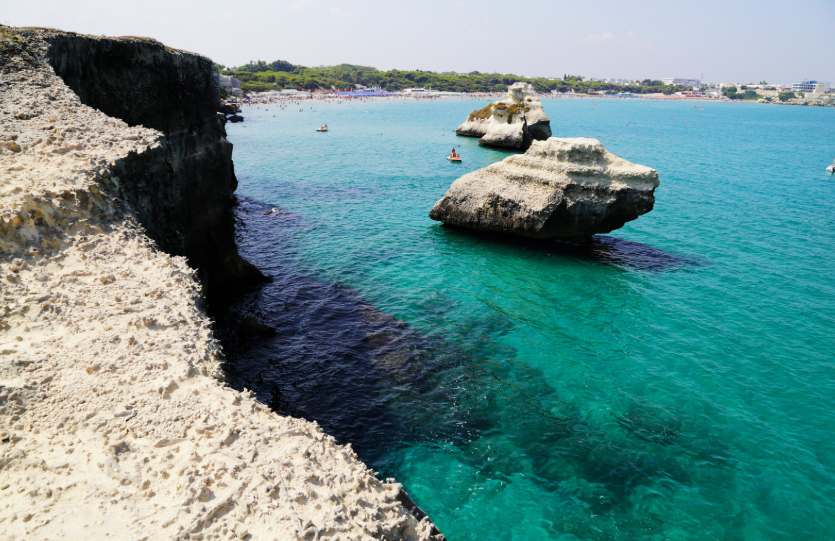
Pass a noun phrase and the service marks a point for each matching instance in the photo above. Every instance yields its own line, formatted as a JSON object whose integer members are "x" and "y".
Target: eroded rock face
{"x": 183, "y": 194}
{"x": 510, "y": 123}
{"x": 559, "y": 189}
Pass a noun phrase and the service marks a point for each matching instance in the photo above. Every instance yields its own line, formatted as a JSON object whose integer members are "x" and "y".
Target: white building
{"x": 680, "y": 81}
{"x": 227, "y": 81}
{"x": 815, "y": 87}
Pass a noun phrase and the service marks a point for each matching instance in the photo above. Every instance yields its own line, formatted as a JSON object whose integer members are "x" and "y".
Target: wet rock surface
{"x": 567, "y": 189}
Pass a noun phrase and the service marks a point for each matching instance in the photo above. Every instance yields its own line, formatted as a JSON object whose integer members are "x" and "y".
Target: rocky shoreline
{"x": 114, "y": 221}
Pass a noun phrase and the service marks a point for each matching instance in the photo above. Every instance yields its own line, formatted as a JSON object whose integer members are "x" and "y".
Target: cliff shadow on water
{"x": 318, "y": 350}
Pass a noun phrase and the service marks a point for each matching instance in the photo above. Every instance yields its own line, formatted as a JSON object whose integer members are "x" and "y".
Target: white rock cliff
{"x": 114, "y": 421}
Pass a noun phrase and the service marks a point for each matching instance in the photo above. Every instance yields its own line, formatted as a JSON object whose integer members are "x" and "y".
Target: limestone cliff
{"x": 513, "y": 122}
{"x": 114, "y": 421}
{"x": 566, "y": 189}
{"x": 181, "y": 192}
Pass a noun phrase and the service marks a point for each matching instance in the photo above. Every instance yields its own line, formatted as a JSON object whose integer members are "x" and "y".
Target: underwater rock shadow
{"x": 371, "y": 380}
{"x": 244, "y": 206}
{"x": 318, "y": 350}
{"x": 601, "y": 248}
{"x": 367, "y": 378}
{"x": 286, "y": 189}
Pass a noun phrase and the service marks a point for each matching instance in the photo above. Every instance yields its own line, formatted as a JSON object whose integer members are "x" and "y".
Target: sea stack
{"x": 513, "y": 122}
{"x": 568, "y": 189}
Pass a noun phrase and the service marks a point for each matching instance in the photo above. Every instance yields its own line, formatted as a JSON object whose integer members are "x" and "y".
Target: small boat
{"x": 831, "y": 168}
{"x": 322, "y": 128}
{"x": 454, "y": 158}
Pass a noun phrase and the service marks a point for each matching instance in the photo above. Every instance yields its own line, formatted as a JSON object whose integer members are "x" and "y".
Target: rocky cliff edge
{"x": 182, "y": 195}
{"x": 114, "y": 422}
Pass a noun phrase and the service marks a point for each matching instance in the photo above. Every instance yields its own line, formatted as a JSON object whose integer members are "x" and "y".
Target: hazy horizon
{"x": 742, "y": 42}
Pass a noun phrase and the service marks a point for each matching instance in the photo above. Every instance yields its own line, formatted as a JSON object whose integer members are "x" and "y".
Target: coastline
{"x": 115, "y": 419}
{"x": 256, "y": 99}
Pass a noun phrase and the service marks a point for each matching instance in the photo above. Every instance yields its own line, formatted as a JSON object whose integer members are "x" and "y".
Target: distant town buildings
{"x": 231, "y": 84}
{"x": 813, "y": 87}
{"x": 681, "y": 81}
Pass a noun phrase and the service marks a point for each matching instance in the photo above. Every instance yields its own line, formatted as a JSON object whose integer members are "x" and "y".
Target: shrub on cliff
{"x": 512, "y": 110}
{"x": 481, "y": 114}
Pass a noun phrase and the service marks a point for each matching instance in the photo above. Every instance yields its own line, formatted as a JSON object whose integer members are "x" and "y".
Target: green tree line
{"x": 261, "y": 76}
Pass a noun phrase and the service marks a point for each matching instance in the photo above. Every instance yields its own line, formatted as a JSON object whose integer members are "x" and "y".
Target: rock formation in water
{"x": 559, "y": 189}
{"x": 114, "y": 421}
{"x": 510, "y": 123}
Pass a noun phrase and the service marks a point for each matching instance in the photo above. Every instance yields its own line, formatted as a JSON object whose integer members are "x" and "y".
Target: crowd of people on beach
{"x": 299, "y": 98}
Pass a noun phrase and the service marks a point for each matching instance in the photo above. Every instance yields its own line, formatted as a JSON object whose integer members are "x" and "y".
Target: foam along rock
{"x": 559, "y": 189}
{"x": 511, "y": 123}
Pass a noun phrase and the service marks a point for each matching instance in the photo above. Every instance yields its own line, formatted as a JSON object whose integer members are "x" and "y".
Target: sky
{"x": 743, "y": 41}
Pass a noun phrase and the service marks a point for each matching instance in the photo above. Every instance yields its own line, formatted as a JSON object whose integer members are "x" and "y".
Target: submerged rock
{"x": 253, "y": 327}
{"x": 511, "y": 123}
{"x": 559, "y": 189}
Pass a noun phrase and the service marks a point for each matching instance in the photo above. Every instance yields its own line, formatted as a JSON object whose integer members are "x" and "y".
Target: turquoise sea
{"x": 674, "y": 380}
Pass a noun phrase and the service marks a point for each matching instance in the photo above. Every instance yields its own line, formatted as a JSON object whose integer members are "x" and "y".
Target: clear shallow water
{"x": 673, "y": 381}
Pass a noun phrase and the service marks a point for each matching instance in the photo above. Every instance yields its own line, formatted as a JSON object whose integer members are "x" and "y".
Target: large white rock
{"x": 558, "y": 189}
{"x": 511, "y": 123}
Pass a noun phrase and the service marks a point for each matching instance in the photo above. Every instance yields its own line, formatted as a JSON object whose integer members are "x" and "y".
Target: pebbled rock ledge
{"x": 114, "y": 421}
{"x": 567, "y": 189}
{"x": 510, "y": 123}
